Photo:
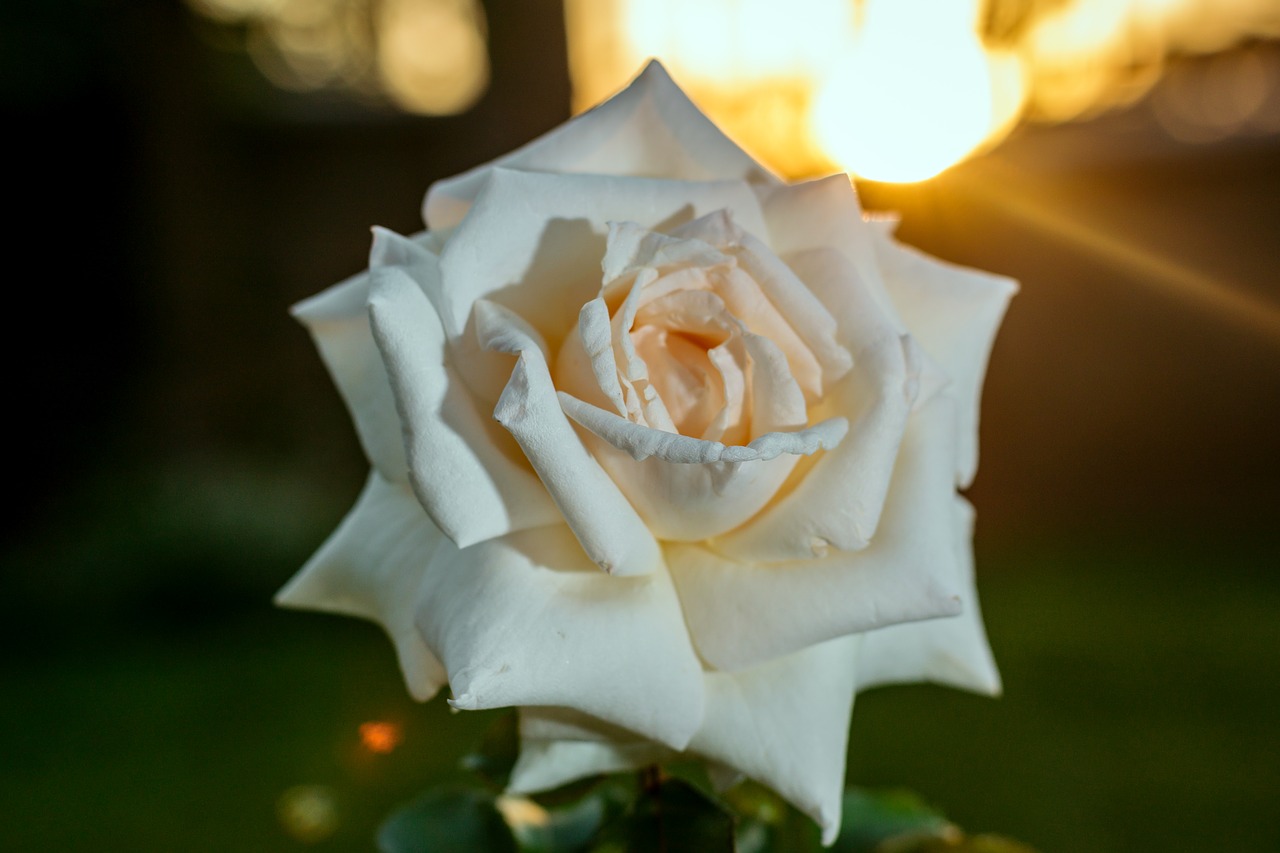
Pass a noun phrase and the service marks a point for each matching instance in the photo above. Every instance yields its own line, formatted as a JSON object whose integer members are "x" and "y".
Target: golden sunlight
{"x": 914, "y": 94}
{"x": 899, "y": 90}
{"x": 429, "y": 56}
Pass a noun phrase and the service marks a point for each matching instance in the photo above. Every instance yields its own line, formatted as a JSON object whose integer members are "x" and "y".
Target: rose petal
{"x": 687, "y": 488}
{"x": 534, "y": 242}
{"x": 611, "y": 532}
{"x": 527, "y": 620}
{"x": 952, "y": 650}
{"x": 632, "y": 247}
{"x": 770, "y": 300}
{"x": 470, "y": 487}
{"x": 825, "y": 214}
{"x": 836, "y": 281}
{"x": 372, "y": 567}
{"x": 838, "y": 502}
{"x": 797, "y": 305}
{"x": 649, "y": 128}
{"x": 338, "y": 320}
{"x": 954, "y": 312}
{"x": 560, "y": 745}
{"x": 785, "y": 724}
{"x": 546, "y": 764}
{"x": 742, "y": 613}
{"x": 642, "y": 442}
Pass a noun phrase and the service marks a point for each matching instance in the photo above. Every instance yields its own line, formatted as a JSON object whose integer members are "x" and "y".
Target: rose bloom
{"x": 664, "y": 452}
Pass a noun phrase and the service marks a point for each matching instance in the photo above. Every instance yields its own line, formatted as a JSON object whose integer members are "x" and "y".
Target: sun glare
{"x": 892, "y": 90}
{"x": 899, "y": 90}
{"x": 913, "y": 95}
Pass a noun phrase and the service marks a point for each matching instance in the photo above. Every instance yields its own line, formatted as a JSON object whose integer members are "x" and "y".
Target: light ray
{"x": 1226, "y": 300}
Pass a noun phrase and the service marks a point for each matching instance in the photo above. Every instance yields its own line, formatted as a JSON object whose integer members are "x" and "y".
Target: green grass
{"x": 1141, "y": 688}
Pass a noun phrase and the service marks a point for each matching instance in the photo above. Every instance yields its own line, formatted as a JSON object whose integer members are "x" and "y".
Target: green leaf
{"x": 495, "y": 755}
{"x": 873, "y": 818}
{"x": 672, "y": 816}
{"x": 447, "y": 820}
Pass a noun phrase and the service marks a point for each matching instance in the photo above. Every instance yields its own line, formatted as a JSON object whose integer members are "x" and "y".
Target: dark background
{"x": 176, "y": 450}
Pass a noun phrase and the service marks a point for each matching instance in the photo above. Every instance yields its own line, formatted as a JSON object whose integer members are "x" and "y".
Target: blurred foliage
{"x": 658, "y": 811}
{"x": 447, "y": 820}
{"x": 1141, "y": 685}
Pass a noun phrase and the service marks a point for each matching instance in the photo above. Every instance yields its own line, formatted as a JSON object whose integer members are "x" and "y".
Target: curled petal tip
{"x": 464, "y": 702}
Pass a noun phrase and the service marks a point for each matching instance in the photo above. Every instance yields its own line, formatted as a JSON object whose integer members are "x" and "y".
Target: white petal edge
{"x": 954, "y": 312}
{"x": 953, "y": 650}
{"x": 527, "y": 620}
{"x": 642, "y": 442}
{"x": 372, "y": 567}
{"x": 469, "y": 486}
{"x": 825, "y": 214}
{"x": 543, "y": 765}
{"x": 785, "y": 724}
{"x": 338, "y": 320}
{"x": 650, "y": 128}
{"x": 741, "y": 613}
{"x": 610, "y": 531}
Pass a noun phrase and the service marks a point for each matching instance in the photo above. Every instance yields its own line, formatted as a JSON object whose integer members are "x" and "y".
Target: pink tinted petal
{"x": 839, "y": 501}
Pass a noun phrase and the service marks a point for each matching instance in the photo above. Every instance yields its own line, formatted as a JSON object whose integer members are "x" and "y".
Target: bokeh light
{"x": 521, "y": 812}
{"x": 914, "y": 94}
{"x": 308, "y": 813}
{"x": 898, "y": 90}
{"x": 380, "y": 736}
{"x": 426, "y": 56}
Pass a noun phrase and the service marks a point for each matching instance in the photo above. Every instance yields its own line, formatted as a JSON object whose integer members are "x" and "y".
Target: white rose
{"x": 690, "y": 504}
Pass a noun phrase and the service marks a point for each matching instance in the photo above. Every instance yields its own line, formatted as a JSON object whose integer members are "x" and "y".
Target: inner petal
{"x": 683, "y": 374}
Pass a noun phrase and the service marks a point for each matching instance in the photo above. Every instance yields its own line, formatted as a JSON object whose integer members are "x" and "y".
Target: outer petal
{"x": 547, "y": 764}
{"x": 954, "y": 312}
{"x": 471, "y": 488}
{"x": 610, "y": 531}
{"x": 558, "y": 746}
{"x": 338, "y": 320}
{"x": 649, "y": 129}
{"x": 534, "y": 242}
{"x": 528, "y": 620}
{"x": 743, "y": 613}
{"x": 825, "y": 214}
{"x": 372, "y": 566}
{"x": 784, "y": 723}
{"x": 951, "y": 651}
